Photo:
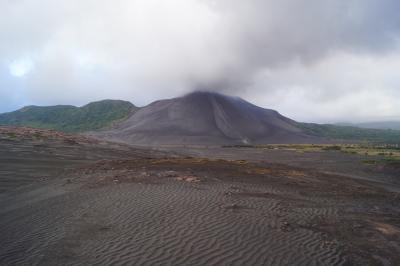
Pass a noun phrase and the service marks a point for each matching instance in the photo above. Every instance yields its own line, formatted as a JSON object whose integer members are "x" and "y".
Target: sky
{"x": 312, "y": 60}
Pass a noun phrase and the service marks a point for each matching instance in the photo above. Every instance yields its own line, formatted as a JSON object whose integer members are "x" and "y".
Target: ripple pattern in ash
{"x": 174, "y": 223}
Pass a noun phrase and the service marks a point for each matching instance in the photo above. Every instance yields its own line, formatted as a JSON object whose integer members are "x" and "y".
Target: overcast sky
{"x": 312, "y": 60}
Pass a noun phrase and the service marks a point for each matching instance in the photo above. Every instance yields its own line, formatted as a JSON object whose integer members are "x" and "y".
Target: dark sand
{"x": 84, "y": 202}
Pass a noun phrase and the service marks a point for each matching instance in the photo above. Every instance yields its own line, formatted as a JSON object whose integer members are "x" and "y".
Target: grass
{"x": 332, "y": 148}
{"x": 11, "y": 135}
{"x": 392, "y": 161}
{"x": 389, "y": 154}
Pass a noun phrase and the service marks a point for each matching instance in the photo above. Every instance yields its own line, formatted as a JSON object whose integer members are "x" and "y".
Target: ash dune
{"x": 207, "y": 118}
{"x": 71, "y": 200}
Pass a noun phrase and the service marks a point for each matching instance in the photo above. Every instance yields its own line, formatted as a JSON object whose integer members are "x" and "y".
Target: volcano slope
{"x": 207, "y": 118}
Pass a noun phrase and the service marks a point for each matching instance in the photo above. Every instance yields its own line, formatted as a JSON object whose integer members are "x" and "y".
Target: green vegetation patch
{"x": 394, "y": 161}
{"x": 332, "y": 148}
{"x": 11, "y": 135}
{"x": 370, "y": 161}
{"x": 67, "y": 118}
{"x": 349, "y": 133}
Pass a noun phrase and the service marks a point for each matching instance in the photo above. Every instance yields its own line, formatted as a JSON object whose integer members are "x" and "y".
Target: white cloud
{"x": 295, "y": 56}
{"x": 21, "y": 67}
{"x": 343, "y": 87}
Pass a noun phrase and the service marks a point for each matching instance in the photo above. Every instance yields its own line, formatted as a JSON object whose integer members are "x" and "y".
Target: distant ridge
{"x": 352, "y": 133}
{"x": 207, "y": 118}
{"x": 68, "y": 118}
{"x": 395, "y": 125}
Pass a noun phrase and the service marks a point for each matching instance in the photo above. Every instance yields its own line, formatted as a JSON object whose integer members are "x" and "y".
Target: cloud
{"x": 325, "y": 53}
{"x": 20, "y": 68}
{"x": 343, "y": 87}
{"x": 271, "y": 34}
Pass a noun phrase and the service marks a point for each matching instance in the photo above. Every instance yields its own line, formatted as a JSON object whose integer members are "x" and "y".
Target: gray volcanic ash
{"x": 206, "y": 118}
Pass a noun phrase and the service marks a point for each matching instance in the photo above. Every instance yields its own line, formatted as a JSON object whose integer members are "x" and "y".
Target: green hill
{"x": 387, "y": 136}
{"x": 395, "y": 125}
{"x": 70, "y": 118}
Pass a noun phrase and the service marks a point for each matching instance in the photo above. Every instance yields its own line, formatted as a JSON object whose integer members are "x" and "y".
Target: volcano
{"x": 206, "y": 118}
